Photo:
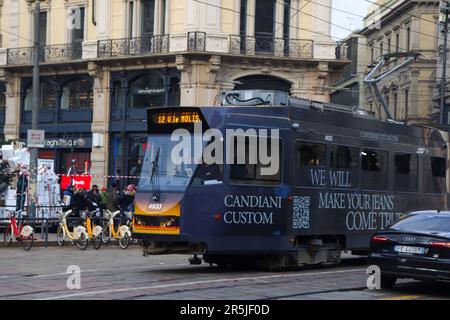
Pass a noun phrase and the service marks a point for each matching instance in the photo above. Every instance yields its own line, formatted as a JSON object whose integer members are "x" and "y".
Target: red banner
{"x": 78, "y": 181}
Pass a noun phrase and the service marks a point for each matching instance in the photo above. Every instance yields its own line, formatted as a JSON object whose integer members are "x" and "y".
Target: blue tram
{"x": 306, "y": 181}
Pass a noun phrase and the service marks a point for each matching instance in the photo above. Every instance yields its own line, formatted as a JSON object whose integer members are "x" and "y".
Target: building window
{"x": 264, "y": 26}
{"x": 148, "y": 17}
{"x": 48, "y": 97}
{"x": 147, "y": 91}
{"x": 397, "y": 42}
{"x": 77, "y": 31}
{"x": 389, "y": 45}
{"x": 372, "y": 55}
{"x": 43, "y": 28}
{"x": 395, "y": 105}
{"x": 130, "y": 19}
{"x": 77, "y": 94}
{"x": 406, "y": 103}
{"x": 287, "y": 16}
{"x": 2, "y": 96}
{"x": 408, "y": 38}
{"x": 243, "y": 18}
{"x": 381, "y": 48}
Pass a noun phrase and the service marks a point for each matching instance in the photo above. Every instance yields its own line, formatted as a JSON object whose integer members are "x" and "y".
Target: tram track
{"x": 179, "y": 286}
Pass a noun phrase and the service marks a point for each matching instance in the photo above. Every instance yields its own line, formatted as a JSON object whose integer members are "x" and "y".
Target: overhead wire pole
{"x": 444, "y": 21}
{"x": 36, "y": 100}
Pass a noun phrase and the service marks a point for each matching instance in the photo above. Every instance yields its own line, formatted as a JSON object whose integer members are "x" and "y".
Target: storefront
{"x": 65, "y": 115}
{"x": 134, "y": 92}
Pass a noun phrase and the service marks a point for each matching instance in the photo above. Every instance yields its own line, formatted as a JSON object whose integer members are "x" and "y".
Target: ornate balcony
{"x": 269, "y": 46}
{"x": 51, "y": 54}
{"x": 133, "y": 46}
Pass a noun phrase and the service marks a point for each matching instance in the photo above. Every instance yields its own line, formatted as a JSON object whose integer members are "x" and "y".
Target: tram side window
{"x": 406, "y": 172}
{"x": 374, "y": 169}
{"x": 435, "y": 171}
{"x": 253, "y": 174}
{"x": 344, "y": 167}
{"x": 311, "y": 164}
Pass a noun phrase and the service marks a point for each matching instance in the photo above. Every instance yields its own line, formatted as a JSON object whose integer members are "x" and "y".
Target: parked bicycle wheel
{"x": 82, "y": 242}
{"x": 106, "y": 234}
{"x": 7, "y": 236}
{"x": 27, "y": 242}
{"x": 60, "y": 236}
{"x": 125, "y": 241}
{"x": 97, "y": 241}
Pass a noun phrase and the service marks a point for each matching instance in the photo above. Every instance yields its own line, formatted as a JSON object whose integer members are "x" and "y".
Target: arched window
{"x": 48, "y": 97}
{"x": 147, "y": 91}
{"x": 77, "y": 94}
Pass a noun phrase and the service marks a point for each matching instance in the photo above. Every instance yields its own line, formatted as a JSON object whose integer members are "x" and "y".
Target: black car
{"x": 417, "y": 246}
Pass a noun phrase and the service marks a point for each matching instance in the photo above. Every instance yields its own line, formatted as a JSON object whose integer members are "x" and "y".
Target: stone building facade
{"x": 403, "y": 27}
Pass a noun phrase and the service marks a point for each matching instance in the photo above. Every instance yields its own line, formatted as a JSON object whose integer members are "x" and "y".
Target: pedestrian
{"x": 113, "y": 198}
{"x": 127, "y": 198}
{"x": 103, "y": 198}
{"x": 68, "y": 196}
{"x": 93, "y": 198}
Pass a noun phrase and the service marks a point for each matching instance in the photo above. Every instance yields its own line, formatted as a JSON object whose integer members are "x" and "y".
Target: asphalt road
{"x": 112, "y": 273}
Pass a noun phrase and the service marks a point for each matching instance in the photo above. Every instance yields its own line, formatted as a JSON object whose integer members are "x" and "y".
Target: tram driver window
{"x": 435, "y": 171}
{"x": 311, "y": 164}
{"x": 374, "y": 169}
{"x": 406, "y": 172}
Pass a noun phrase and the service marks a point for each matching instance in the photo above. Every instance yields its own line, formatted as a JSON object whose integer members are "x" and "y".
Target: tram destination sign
{"x": 162, "y": 118}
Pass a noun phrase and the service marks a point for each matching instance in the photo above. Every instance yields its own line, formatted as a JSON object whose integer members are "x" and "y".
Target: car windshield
{"x": 159, "y": 168}
{"x": 424, "y": 222}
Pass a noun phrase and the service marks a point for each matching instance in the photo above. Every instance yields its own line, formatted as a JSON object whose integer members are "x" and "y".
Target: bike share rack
{"x": 33, "y": 221}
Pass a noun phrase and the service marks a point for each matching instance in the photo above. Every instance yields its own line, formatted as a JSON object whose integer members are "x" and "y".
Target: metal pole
{"x": 35, "y": 109}
{"x": 444, "y": 61}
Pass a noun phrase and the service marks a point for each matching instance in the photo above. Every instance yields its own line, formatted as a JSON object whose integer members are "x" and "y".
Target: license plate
{"x": 409, "y": 250}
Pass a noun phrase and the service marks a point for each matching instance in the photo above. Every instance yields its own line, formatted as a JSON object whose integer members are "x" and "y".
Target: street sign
{"x": 35, "y": 138}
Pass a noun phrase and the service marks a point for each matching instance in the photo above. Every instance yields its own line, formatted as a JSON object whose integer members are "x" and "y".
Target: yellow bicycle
{"x": 122, "y": 233}
{"x": 94, "y": 232}
{"x": 78, "y": 236}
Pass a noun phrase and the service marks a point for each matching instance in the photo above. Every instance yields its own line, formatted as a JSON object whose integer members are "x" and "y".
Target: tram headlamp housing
{"x": 296, "y": 126}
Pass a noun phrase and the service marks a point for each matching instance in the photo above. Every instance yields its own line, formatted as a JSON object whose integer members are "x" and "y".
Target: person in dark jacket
{"x": 93, "y": 198}
{"x": 127, "y": 198}
{"x": 113, "y": 198}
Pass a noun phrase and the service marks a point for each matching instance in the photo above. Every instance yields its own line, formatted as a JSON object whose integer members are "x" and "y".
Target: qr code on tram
{"x": 301, "y": 212}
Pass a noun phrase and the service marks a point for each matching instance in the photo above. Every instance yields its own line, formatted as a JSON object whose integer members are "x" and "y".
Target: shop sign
{"x": 61, "y": 143}
{"x": 78, "y": 182}
{"x": 35, "y": 138}
{"x": 147, "y": 91}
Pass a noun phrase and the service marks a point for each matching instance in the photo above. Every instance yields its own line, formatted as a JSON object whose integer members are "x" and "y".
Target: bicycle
{"x": 94, "y": 232}
{"x": 22, "y": 233}
{"x": 122, "y": 233}
{"x": 78, "y": 236}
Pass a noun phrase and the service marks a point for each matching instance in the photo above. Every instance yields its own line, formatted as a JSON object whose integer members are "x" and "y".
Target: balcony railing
{"x": 269, "y": 46}
{"x": 51, "y": 53}
{"x": 196, "y": 41}
{"x": 133, "y": 46}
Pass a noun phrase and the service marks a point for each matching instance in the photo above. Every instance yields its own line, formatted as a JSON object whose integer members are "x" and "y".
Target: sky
{"x": 347, "y": 21}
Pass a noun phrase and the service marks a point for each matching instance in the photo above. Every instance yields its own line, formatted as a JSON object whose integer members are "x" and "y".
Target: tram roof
{"x": 283, "y": 117}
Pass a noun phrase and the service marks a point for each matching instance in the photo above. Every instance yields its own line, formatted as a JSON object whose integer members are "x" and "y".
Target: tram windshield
{"x": 160, "y": 171}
